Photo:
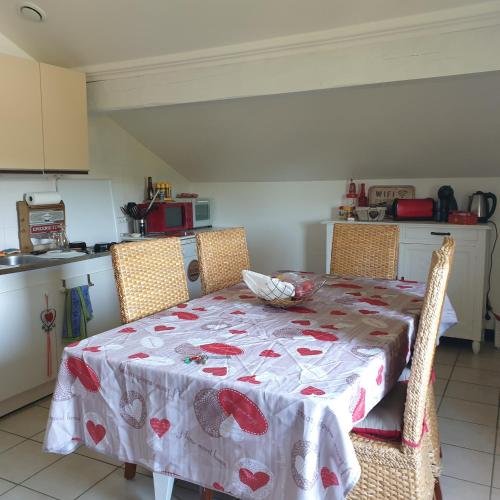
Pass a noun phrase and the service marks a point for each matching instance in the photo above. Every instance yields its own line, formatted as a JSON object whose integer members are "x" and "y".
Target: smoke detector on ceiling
{"x": 32, "y": 12}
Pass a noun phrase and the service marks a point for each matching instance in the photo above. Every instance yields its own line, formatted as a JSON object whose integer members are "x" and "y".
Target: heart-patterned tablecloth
{"x": 268, "y": 416}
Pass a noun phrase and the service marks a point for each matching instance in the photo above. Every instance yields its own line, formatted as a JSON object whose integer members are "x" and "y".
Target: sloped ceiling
{"x": 88, "y": 32}
{"x": 419, "y": 129}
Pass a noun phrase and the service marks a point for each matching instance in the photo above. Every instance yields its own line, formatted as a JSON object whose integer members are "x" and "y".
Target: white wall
{"x": 282, "y": 218}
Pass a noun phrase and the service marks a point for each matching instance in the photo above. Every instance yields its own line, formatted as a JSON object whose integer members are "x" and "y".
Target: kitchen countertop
{"x": 43, "y": 263}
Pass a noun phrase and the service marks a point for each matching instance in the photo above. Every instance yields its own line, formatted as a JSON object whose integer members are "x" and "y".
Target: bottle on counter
{"x": 161, "y": 191}
{"x": 150, "y": 192}
{"x": 362, "y": 198}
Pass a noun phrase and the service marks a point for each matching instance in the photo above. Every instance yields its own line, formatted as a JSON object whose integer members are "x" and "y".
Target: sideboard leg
{"x": 476, "y": 346}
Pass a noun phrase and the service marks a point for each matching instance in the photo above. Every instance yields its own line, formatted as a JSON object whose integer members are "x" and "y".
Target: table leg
{"x": 129, "y": 470}
{"x": 205, "y": 494}
{"x": 163, "y": 485}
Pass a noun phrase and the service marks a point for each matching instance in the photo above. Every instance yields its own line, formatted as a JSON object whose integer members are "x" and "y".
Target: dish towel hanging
{"x": 77, "y": 313}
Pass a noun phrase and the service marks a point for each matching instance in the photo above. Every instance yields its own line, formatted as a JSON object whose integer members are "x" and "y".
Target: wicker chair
{"x": 367, "y": 250}
{"x": 222, "y": 256}
{"x": 404, "y": 470}
{"x": 149, "y": 278}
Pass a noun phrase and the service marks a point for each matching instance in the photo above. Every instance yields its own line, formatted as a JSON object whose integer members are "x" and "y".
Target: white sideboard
{"x": 468, "y": 281}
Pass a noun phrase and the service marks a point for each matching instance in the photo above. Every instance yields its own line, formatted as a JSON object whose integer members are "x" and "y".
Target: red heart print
{"x": 250, "y": 379}
{"x": 244, "y": 296}
{"x": 127, "y": 329}
{"x": 97, "y": 432}
{"x": 416, "y": 300}
{"x": 216, "y": 371}
{"x": 319, "y": 335}
{"x": 84, "y": 373}
{"x": 237, "y": 331}
{"x": 374, "y": 302}
{"x": 269, "y": 353}
{"x": 304, "y": 351}
{"x": 243, "y": 410}
{"x": 218, "y": 297}
{"x": 356, "y": 294}
{"x": 253, "y": 480}
{"x": 164, "y": 328}
{"x": 185, "y": 315}
{"x": 304, "y": 322}
{"x": 403, "y": 287}
{"x": 367, "y": 311}
{"x": 308, "y": 391}
{"x": 377, "y": 333}
{"x": 199, "y": 309}
{"x": 217, "y": 486}
{"x": 73, "y": 344}
{"x": 336, "y": 312}
{"x": 408, "y": 281}
{"x": 328, "y": 478}
{"x": 359, "y": 409}
{"x": 379, "y": 378}
{"x": 94, "y": 348}
{"x": 380, "y": 287}
{"x": 139, "y": 355}
{"x": 330, "y": 327}
{"x": 182, "y": 306}
{"x": 346, "y": 285}
{"x": 237, "y": 312}
{"x": 160, "y": 426}
{"x": 301, "y": 309}
{"x": 223, "y": 349}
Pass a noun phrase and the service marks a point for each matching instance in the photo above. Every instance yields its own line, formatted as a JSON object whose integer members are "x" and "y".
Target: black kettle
{"x": 479, "y": 203}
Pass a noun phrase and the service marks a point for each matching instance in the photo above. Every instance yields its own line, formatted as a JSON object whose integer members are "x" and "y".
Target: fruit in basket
{"x": 303, "y": 288}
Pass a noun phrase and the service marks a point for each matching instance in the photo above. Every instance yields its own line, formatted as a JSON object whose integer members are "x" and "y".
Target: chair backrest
{"x": 366, "y": 250}
{"x": 222, "y": 256}
{"x": 149, "y": 277}
{"x": 425, "y": 344}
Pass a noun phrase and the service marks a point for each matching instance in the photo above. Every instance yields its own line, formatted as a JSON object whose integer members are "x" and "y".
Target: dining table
{"x": 267, "y": 410}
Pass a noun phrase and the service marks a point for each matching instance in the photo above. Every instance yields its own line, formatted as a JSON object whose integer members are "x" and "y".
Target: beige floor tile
{"x": 446, "y": 356}
{"x": 21, "y": 493}
{"x": 495, "y": 494}
{"x": 24, "y": 460}
{"x": 86, "y": 452}
{"x": 475, "y": 376}
{"x": 69, "y": 477}
{"x": 468, "y": 411}
{"x": 38, "y": 437}
{"x": 115, "y": 487}
{"x": 8, "y": 440}
{"x": 472, "y": 392}
{"x": 45, "y": 402}
{"x": 496, "y": 472}
{"x": 467, "y": 435}
{"x": 5, "y": 486}
{"x": 25, "y": 422}
{"x": 468, "y": 465}
{"x": 456, "y": 489}
{"x": 487, "y": 359}
{"x": 443, "y": 371}
{"x": 439, "y": 386}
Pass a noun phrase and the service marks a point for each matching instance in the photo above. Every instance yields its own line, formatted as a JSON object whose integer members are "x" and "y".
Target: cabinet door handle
{"x": 435, "y": 233}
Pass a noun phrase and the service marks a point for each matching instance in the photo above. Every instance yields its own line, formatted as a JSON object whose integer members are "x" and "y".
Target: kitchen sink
{"x": 18, "y": 260}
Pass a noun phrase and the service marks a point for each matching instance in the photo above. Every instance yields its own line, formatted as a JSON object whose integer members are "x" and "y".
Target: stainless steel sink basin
{"x": 18, "y": 260}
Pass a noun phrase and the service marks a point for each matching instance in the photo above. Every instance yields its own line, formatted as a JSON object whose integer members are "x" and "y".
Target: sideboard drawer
{"x": 434, "y": 234}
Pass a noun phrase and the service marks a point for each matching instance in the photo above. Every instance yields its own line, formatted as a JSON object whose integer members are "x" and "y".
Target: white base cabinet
{"x": 23, "y": 347}
{"x": 468, "y": 280}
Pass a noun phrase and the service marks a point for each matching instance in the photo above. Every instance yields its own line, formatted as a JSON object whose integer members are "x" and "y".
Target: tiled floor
{"x": 467, "y": 391}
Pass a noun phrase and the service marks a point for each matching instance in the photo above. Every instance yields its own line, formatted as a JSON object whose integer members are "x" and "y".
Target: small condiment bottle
{"x": 362, "y": 198}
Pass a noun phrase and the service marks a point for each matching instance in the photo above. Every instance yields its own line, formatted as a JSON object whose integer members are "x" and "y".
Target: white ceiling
{"x": 89, "y": 32}
{"x": 427, "y": 128}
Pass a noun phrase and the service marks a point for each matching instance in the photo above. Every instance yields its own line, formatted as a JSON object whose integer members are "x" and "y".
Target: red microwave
{"x": 169, "y": 216}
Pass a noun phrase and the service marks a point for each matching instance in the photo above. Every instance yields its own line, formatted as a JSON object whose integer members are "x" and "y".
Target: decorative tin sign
{"x": 385, "y": 195}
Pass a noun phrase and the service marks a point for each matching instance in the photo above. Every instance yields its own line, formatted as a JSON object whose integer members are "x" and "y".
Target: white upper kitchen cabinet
{"x": 21, "y": 137}
{"x": 64, "y": 116}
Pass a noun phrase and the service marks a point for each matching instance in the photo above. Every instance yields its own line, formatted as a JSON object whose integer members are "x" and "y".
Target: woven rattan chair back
{"x": 425, "y": 345}
{"x": 149, "y": 277}
{"x": 222, "y": 256}
{"x": 366, "y": 250}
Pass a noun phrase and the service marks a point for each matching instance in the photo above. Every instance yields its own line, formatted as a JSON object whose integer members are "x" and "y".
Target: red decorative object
{"x": 362, "y": 199}
{"x": 465, "y": 218}
{"x": 48, "y": 319}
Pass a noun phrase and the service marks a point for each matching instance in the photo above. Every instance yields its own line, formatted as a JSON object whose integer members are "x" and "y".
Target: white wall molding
{"x": 447, "y": 42}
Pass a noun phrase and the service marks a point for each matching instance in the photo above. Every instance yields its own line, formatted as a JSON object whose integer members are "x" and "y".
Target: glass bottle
{"x": 362, "y": 198}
